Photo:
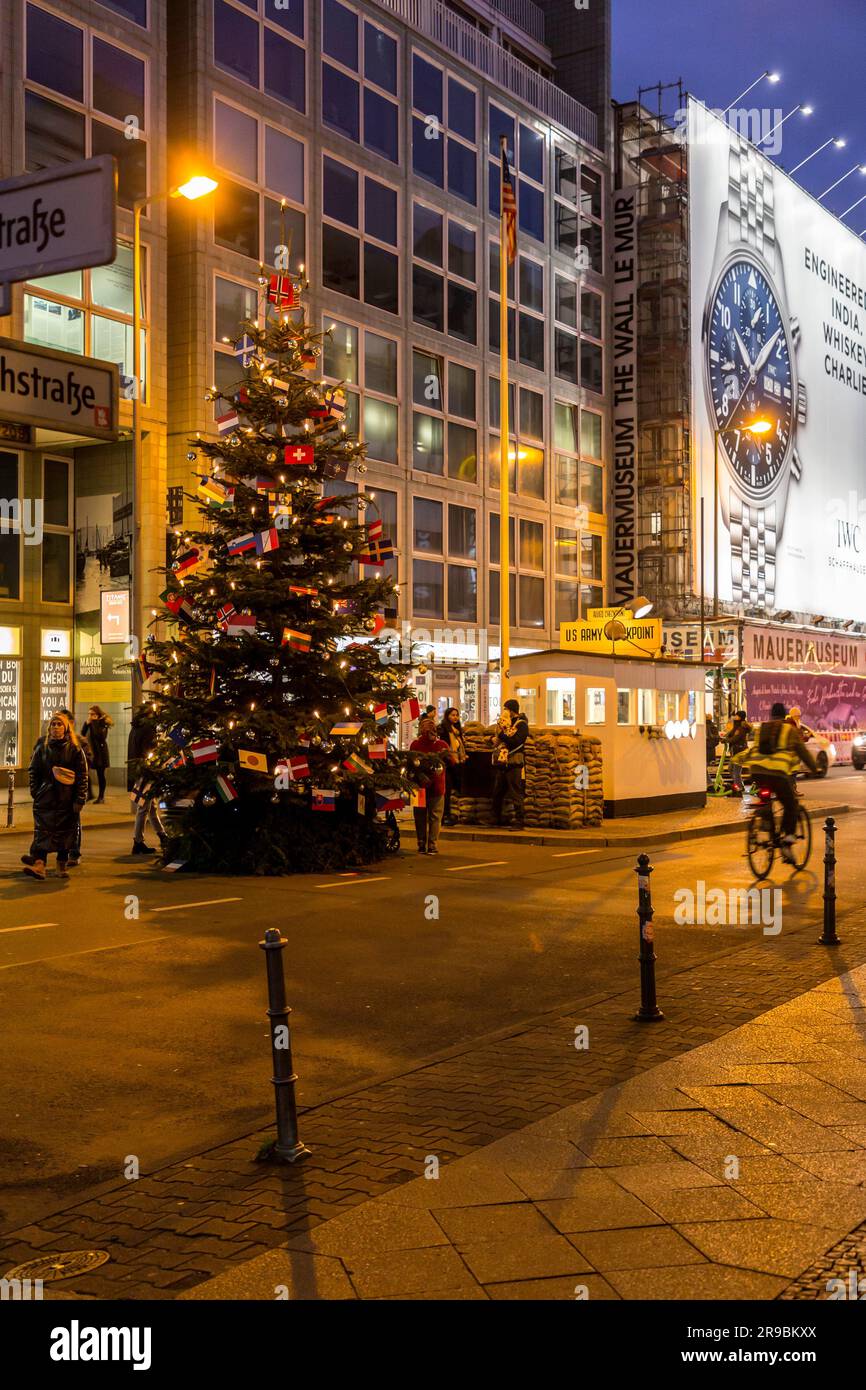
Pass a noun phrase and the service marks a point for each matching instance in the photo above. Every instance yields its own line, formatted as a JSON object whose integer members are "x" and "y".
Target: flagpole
{"x": 504, "y": 547}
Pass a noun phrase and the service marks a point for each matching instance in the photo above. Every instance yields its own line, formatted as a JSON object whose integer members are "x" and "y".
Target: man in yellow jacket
{"x": 773, "y": 758}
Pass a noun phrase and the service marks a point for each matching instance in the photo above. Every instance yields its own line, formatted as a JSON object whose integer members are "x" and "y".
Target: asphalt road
{"x": 133, "y": 1000}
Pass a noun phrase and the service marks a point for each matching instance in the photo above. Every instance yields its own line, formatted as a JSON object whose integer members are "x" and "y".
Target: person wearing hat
{"x": 772, "y": 759}
{"x": 795, "y": 717}
{"x": 737, "y": 736}
{"x": 58, "y": 786}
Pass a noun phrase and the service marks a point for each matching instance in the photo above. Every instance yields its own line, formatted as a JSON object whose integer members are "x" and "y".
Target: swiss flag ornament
{"x": 299, "y": 455}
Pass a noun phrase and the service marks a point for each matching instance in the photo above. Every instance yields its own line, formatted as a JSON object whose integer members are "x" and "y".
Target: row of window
{"x": 17, "y": 531}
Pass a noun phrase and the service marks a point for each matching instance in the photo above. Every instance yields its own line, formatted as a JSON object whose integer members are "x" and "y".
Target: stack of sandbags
{"x": 476, "y": 810}
{"x": 563, "y": 780}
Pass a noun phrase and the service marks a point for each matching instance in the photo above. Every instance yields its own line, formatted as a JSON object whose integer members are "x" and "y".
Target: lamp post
{"x": 195, "y": 187}
{"x": 834, "y": 140}
{"x": 852, "y": 170}
{"x": 806, "y": 110}
{"x": 770, "y": 76}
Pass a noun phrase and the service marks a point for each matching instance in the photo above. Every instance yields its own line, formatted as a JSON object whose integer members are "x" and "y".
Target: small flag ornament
{"x": 377, "y": 553}
{"x": 180, "y": 607}
{"x": 378, "y": 750}
{"x": 308, "y": 359}
{"x": 252, "y": 761}
{"x": 374, "y": 531}
{"x": 227, "y": 611}
{"x": 381, "y": 714}
{"x": 335, "y": 468}
{"x": 283, "y": 292}
{"x": 178, "y": 761}
{"x": 245, "y": 350}
{"x": 346, "y": 728}
{"x": 337, "y": 404}
{"x": 177, "y": 736}
{"x": 355, "y": 763}
{"x": 145, "y": 670}
{"x": 227, "y": 423}
{"x": 204, "y": 750}
{"x": 410, "y": 709}
{"x": 324, "y": 799}
{"x": 215, "y": 493}
{"x": 241, "y": 544}
{"x": 299, "y": 455}
{"x": 187, "y": 560}
{"x": 226, "y": 789}
{"x": 303, "y": 590}
{"x": 293, "y": 768}
{"x": 267, "y": 541}
{"x": 298, "y": 641}
{"x": 240, "y": 623}
{"x": 390, "y": 799}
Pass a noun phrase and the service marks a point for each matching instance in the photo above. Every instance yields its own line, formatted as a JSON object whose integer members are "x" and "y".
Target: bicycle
{"x": 764, "y": 836}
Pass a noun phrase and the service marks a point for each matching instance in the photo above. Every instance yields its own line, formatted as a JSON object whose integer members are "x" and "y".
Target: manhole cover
{"x": 61, "y": 1266}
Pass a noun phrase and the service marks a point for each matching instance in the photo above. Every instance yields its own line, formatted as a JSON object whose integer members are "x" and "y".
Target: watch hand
{"x": 764, "y": 354}
{"x": 744, "y": 351}
{"x": 758, "y": 314}
{"x": 728, "y": 366}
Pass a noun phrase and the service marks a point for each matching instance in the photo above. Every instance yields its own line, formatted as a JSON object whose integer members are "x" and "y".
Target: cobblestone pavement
{"x": 178, "y": 1226}
{"x": 845, "y": 1262}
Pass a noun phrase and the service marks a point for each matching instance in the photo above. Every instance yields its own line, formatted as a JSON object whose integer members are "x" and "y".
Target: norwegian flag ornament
{"x": 284, "y": 292}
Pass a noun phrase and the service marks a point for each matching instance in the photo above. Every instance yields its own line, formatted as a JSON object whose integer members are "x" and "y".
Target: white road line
{"x": 34, "y": 926}
{"x": 490, "y": 864}
{"x": 352, "y": 882}
{"x": 88, "y": 951}
{"x": 570, "y": 853}
{"x": 178, "y": 907}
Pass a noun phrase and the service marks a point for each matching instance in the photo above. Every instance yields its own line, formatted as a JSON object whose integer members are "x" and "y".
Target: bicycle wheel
{"x": 802, "y": 846}
{"x": 761, "y": 843}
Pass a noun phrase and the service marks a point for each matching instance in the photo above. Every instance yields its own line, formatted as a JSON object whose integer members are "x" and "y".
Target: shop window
{"x": 10, "y": 706}
{"x": 646, "y": 707}
{"x": 595, "y": 705}
{"x": 623, "y": 706}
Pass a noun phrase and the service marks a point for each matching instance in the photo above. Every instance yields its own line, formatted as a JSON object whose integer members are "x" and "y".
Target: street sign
{"x": 5, "y": 300}
{"x": 57, "y": 390}
{"x": 113, "y": 616}
{"x": 58, "y": 219}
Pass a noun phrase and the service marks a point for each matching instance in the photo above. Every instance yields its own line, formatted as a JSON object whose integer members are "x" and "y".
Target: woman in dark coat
{"x": 451, "y": 732}
{"x": 95, "y": 734}
{"x": 58, "y": 786}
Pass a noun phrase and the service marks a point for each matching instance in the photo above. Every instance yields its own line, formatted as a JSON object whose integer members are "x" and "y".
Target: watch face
{"x": 749, "y": 361}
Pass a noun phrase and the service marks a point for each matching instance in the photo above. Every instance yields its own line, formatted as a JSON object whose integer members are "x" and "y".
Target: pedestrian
{"x": 509, "y": 762}
{"x": 428, "y": 818}
{"x": 451, "y": 733}
{"x": 142, "y": 738}
{"x": 712, "y": 738}
{"x": 75, "y": 852}
{"x": 58, "y": 786}
{"x": 95, "y": 732}
{"x": 738, "y": 736}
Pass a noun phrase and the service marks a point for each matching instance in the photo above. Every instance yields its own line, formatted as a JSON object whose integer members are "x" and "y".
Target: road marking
{"x": 348, "y": 883}
{"x": 34, "y": 926}
{"x": 178, "y": 907}
{"x": 490, "y": 864}
{"x": 570, "y": 853}
{"x": 88, "y": 951}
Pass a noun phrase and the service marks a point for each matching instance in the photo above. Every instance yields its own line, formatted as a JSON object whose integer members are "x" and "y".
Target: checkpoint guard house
{"x": 65, "y": 475}
{"x": 609, "y": 681}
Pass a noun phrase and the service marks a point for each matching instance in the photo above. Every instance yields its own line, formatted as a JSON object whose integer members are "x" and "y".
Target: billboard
{"x": 778, "y": 333}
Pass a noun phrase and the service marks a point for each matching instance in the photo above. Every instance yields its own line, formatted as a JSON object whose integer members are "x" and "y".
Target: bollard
{"x": 287, "y": 1147}
{"x": 10, "y": 802}
{"x": 649, "y": 1011}
{"x": 828, "y": 936}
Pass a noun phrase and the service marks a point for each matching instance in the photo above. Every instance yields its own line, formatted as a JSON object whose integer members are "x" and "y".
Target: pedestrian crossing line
{"x": 350, "y": 882}
{"x": 490, "y": 864}
{"x": 32, "y": 926}
{"x": 210, "y": 902}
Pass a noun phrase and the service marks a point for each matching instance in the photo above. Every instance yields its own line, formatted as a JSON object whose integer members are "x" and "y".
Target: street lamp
{"x": 195, "y": 187}
{"x": 834, "y": 140}
{"x": 754, "y": 427}
{"x": 770, "y": 76}
{"x": 852, "y": 170}
{"x": 806, "y": 110}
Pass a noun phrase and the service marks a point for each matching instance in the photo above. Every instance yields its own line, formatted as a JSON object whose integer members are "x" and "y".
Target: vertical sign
{"x": 54, "y": 688}
{"x": 9, "y": 671}
{"x": 624, "y": 581}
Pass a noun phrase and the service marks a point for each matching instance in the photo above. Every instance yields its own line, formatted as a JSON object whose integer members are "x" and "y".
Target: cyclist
{"x": 772, "y": 759}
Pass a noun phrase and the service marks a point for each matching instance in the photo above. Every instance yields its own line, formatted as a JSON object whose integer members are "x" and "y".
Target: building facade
{"x": 362, "y": 139}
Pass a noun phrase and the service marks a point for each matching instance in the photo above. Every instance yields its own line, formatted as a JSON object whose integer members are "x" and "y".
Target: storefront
{"x": 821, "y": 671}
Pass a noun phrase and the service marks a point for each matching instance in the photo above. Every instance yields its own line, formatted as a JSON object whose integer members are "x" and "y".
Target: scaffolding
{"x": 654, "y": 160}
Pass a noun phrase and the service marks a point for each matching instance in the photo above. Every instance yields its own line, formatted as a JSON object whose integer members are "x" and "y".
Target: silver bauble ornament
{"x": 362, "y": 467}
{"x": 208, "y": 799}
{"x": 347, "y": 545}
{"x": 192, "y": 456}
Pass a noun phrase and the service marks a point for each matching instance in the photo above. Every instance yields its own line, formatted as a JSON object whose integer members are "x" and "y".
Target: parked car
{"x": 823, "y": 750}
{"x": 858, "y": 751}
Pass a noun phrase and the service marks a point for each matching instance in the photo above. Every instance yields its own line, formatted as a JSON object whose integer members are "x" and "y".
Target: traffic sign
{"x": 57, "y": 390}
{"x": 57, "y": 219}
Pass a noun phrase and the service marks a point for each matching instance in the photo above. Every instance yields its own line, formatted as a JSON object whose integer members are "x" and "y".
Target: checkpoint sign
{"x": 58, "y": 219}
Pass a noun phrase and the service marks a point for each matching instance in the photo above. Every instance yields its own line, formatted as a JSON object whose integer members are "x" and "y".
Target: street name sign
{"x": 58, "y": 219}
{"x": 58, "y": 390}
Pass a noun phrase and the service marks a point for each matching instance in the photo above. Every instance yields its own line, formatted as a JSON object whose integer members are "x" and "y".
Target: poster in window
{"x": 9, "y": 711}
{"x": 54, "y": 688}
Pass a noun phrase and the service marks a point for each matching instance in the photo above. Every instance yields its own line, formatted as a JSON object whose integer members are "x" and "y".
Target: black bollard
{"x": 649, "y": 1011}
{"x": 10, "y": 802}
{"x": 828, "y": 936}
{"x": 287, "y": 1148}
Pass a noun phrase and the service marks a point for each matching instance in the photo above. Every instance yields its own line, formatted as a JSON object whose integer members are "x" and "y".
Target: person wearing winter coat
{"x": 142, "y": 738}
{"x": 508, "y": 763}
{"x": 94, "y": 733}
{"x": 451, "y": 733}
{"x": 58, "y": 786}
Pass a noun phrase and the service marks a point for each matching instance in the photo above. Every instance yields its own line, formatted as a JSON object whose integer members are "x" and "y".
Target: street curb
{"x": 7, "y": 832}
{"x": 661, "y": 837}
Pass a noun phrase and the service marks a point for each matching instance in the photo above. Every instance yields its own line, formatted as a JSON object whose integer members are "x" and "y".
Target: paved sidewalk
{"x": 725, "y": 1173}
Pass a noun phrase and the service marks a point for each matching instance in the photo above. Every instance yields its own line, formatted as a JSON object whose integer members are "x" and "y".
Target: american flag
{"x": 509, "y": 208}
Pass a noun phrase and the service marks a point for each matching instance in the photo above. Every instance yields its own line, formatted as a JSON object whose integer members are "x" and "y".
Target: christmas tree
{"x": 276, "y": 704}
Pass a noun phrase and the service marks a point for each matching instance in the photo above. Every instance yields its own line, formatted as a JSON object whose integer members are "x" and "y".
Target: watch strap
{"x": 751, "y": 200}
{"x": 753, "y": 552}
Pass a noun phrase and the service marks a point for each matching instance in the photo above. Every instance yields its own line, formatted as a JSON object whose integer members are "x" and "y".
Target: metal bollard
{"x": 649, "y": 1011}
{"x": 10, "y": 802}
{"x": 287, "y": 1147}
{"x": 828, "y": 936}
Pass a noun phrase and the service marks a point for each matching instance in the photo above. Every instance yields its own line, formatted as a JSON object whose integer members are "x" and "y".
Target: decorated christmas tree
{"x": 276, "y": 704}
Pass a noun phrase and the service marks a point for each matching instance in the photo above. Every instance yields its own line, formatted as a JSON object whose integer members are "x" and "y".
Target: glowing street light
{"x": 770, "y": 76}
{"x": 806, "y": 110}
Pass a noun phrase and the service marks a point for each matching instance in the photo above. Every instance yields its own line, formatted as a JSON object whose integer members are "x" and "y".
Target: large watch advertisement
{"x": 778, "y": 343}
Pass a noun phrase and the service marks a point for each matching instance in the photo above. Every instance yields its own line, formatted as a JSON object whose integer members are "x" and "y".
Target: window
{"x": 590, "y": 433}
{"x": 527, "y": 598}
{"x": 368, "y": 360}
{"x": 262, "y": 52}
{"x": 525, "y": 314}
{"x": 623, "y": 707}
{"x": 455, "y": 547}
{"x": 360, "y": 264}
{"x": 246, "y": 218}
{"x": 591, "y": 376}
{"x": 443, "y": 446}
{"x": 646, "y": 707}
{"x": 527, "y": 171}
{"x": 99, "y": 87}
{"x": 526, "y": 455}
{"x": 10, "y": 529}
{"x": 443, "y": 298}
{"x": 136, "y": 10}
{"x": 90, "y": 312}
{"x": 444, "y": 130}
{"x": 57, "y": 537}
{"x": 595, "y": 705}
{"x": 383, "y": 507}
{"x": 590, "y": 314}
{"x": 359, "y": 80}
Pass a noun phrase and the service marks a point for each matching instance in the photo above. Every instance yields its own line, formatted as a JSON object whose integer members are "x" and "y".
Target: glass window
{"x": 118, "y": 82}
{"x": 236, "y": 42}
{"x": 427, "y": 234}
{"x": 9, "y": 476}
{"x": 427, "y": 88}
{"x": 461, "y": 532}
{"x": 494, "y": 540}
{"x": 566, "y": 480}
{"x": 532, "y": 341}
{"x": 233, "y": 304}
{"x": 463, "y": 592}
{"x": 380, "y": 211}
{"x": 112, "y": 341}
{"x": 53, "y": 134}
{"x": 136, "y": 10}
{"x": 461, "y": 250}
{"x": 591, "y": 487}
{"x": 380, "y": 364}
{"x": 567, "y": 601}
{"x": 428, "y": 298}
{"x": 381, "y": 278}
{"x": 380, "y": 125}
{"x": 590, "y": 193}
{"x": 591, "y": 374}
{"x": 462, "y": 453}
{"x": 531, "y": 601}
{"x": 427, "y": 595}
{"x": 623, "y": 706}
{"x": 53, "y": 325}
{"x": 55, "y": 53}
{"x": 646, "y": 707}
{"x": 461, "y": 390}
{"x": 531, "y": 544}
{"x": 131, "y": 156}
{"x": 530, "y": 472}
{"x": 565, "y": 426}
{"x": 566, "y": 302}
{"x": 595, "y": 705}
{"x": 462, "y": 313}
{"x": 428, "y": 534}
{"x": 493, "y": 595}
{"x": 590, "y": 556}
{"x": 340, "y": 352}
{"x": 565, "y": 355}
{"x": 493, "y": 410}
{"x": 341, "y": 262}
{"x": 56, "y": 550}
{"x": 284, "y": 164}
{"x": 380, "y": 430}
{"x": 531, "y": 210}
{"x": 285, "y": 70}
{"x": 290, "y": 14}
{"x": 565, "y": 551}
{"x": 56, "y": 492}
{"x": 531, "y": 413}
{"x": 285, "y": 226}
{"x": 590, "y": 246}
{"x": 428, "y": 443}
{"x": 10, "y": 563}
{"x": 462, "y": 181}
{"x": 340, "y": 34}
{"x": 341, "y": 102}
{"x": 461, "y": 110}
{"x": 427, "y": 157}
{"x": 531, "y": 284}
{"x": 235, "y": 141}
{"x": 111, "y": 285}
{"x": 340, "y": 192}
{"x": 380, "y": 58}
{"x": 590, "y": 313}
{"x": 501, "y": 124}
{"x": 532, "y": 153}
{"x": 427, "y": 379}
{"x": 566, "y": 174}
{"x": 590, "y": 433}
{"x": 236, "y": 219}
{"x": 565, "y": 228}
